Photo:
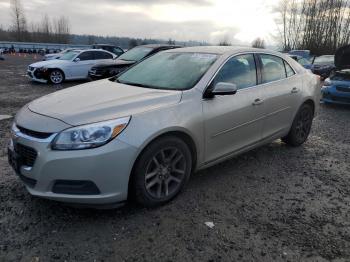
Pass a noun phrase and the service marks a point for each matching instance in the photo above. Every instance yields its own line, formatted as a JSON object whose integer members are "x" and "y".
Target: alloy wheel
{"x": 165, "y": 173}
{"x": 303, "y": 125}
{"x": 56, "y": 77}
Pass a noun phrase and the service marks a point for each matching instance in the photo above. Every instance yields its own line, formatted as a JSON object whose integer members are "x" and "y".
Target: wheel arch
{"x": 183, "y": 135}
{"x": 56, "y": 68}
{"x": 310, "y": 102}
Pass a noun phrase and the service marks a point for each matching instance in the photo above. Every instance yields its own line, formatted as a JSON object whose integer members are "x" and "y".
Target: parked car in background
{"x": 143, "y": 133}
{"x": 301, "y": 60}
{"x": 110, "y": 48}
{"x": 57, "y": 55}
{"x": 303, "y": 53}
{"x": 336, "y": 88}
{"x": 323, "y": 65}
{"x": 72, "y": 65}
{"x": 134, "y": 55}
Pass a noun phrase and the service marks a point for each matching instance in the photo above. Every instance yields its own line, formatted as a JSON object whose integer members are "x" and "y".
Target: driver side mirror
{"x": 223, "y": 88}
{"x": 76, "y": 59}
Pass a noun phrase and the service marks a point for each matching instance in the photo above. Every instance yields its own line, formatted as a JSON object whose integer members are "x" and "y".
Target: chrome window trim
{"x": 17, "y": 133}
{"x": 258, "y": 85}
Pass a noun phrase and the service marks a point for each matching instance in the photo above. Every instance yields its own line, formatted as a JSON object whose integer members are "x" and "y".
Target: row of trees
{"x": 55, "y": 30}
{"x": 318, "y": 25}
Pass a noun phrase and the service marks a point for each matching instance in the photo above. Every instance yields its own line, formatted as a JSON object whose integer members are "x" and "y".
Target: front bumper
{"x": 36, "y": 76}
{"x": 107, "y": 167}
{"x": 97, "y": 74}
{"x": 330, "y": 94}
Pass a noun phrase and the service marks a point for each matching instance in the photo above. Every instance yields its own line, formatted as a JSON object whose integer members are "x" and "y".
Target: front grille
{"x": 343, "y": 89}
{"x": 36, "y": 134}
{"x": 28, "y": 155}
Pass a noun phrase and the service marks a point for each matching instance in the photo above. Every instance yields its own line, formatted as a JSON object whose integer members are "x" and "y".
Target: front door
{"x": 81, "y": 68}
{"x": 233, "y": 122}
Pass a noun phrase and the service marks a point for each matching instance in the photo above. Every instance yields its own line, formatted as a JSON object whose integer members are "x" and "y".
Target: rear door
{"x": 233, "y": 122}
{"x": 281, "y": 87}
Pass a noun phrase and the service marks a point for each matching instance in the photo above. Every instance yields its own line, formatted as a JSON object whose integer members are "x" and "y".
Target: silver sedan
{"x": 144, "y": 132}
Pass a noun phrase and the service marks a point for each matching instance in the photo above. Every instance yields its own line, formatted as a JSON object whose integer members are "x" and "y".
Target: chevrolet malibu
{"x": 144, "y": 132}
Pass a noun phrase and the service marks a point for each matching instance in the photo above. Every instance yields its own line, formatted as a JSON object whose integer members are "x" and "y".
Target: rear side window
{"x": 272, "y": 68}
{"x": 239, "y": 70}
{"x": 102, "y": 55}
{"x": 88, "y": 55}
{"x": 289, "y": 70}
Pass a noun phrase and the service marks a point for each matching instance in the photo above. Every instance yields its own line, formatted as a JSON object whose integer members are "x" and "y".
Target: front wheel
{"x": 161, "y": 171}
{"x": 56, "y": 76}
{"x": 301, "y": 126}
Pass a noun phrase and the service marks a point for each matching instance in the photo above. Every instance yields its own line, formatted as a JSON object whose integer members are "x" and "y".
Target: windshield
{"x": 328, "y": 60}
{"x": 178, "y": 71}
{"x": 69, "y": 55}
{"x": 135, "y": 54}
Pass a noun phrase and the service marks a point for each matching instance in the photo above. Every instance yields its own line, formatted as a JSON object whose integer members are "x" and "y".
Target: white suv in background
{"x": 72, "y": 65}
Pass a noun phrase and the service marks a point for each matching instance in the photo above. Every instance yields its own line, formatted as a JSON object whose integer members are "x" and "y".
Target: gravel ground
{"x": 274, "y": 203}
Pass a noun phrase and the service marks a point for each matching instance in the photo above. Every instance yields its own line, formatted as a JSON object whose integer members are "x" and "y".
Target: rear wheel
{"x": 56, "y": 76}
{"x": 301, "y": 126}
{"x": 161, "y": 171}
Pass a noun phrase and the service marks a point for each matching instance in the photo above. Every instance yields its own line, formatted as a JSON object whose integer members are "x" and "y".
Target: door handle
{"x": 257, "y": 102}
{"x": 294, "y": 90}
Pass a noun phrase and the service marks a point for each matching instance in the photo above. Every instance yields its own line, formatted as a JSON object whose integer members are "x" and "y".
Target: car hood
{"x": 49, "y": 63}
{"x": 114, "y": 64}
{"x": 342, "y": 57}
{"x": 101, "y": 100}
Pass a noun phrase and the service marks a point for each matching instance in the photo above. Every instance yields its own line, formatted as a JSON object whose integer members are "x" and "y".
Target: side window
{"x": 272, "y": 68}
{"x": 88, "y": 55}
{"x": 289, "y": 70}
{"x": 102, "y": 55}
{"x": 239, "y": 70}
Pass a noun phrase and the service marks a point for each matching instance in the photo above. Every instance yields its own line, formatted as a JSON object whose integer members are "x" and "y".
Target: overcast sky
{"x": 203, "y": 20}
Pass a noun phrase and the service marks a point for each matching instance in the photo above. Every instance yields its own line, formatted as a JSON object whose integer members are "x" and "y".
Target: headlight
{"x": 89, "y": 136}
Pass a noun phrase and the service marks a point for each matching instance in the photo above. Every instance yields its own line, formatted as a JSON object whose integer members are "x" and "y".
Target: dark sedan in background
{"x": 129, "y": 58}
{"x": 323, "y": 65}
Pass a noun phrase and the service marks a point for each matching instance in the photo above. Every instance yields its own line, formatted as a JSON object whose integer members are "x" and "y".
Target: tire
{"x": 161, "y": 171}
{"x": 56, "y": 77}
{"x": 301, "y": 126}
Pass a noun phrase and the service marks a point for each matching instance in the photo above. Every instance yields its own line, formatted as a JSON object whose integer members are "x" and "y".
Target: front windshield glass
{"x": 135, "y": 54}
{"x": 328, "y": 60}
{"x": 69, "y": 55}
{"x": 173, "y": 70}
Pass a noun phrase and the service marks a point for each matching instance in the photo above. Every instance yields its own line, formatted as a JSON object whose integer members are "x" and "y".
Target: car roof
{"x": 222, "y": 50}
{"x": 84, "y": 50}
